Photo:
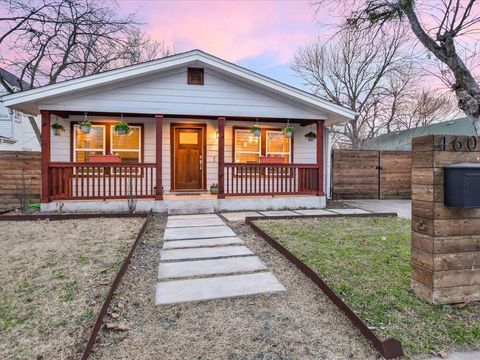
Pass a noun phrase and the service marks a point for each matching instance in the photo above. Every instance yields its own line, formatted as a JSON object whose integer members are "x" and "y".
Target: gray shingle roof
{"x": 13, "y": 80}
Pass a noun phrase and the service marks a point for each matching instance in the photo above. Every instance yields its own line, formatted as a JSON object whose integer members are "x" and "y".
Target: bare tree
{"x": 443, "y": 27}
{"x": 358, "y": 71}
{"x": 47, "y": 41}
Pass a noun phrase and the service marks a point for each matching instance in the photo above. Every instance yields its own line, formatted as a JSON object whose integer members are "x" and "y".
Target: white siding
{"x": 169, "y": 93}
{"x": 304, "y": 151}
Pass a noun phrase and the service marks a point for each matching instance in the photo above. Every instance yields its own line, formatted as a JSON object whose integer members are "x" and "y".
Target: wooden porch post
{"x": 45, "y": 154}
{"x": 221, "y": 157}
{"x": 320, "y": 156}
{"x": 158, "y": 155}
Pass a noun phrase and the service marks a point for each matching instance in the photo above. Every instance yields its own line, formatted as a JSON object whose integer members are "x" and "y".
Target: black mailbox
{"x": 462, "y": 185}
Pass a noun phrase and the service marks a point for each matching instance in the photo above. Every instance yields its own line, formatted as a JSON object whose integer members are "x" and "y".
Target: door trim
{"x": 187, "y": 125}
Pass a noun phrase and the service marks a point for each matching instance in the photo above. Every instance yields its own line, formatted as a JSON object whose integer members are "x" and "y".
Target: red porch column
{"x": 320, "y": 156}
{"x": 221, "y": 157}
{"x": 158, "y": 156}
{"x": 45, "y": 153}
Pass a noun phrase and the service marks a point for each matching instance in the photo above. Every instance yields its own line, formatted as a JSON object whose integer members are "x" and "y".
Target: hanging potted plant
{"x": 311, "y": 136}
{"x": 58, "y": 129}
{"x": 214, "y": 189}
{"x": 288, "y": 131}
{"x": 121, "y": 128}
{"x": 256, "y": 130}
{"x": 85, "y": 126}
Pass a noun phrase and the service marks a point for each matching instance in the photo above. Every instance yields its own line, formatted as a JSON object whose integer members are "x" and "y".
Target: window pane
{"x": 92, "y": 140}
{"x": 246, "y": 158}
{"x": 188, "y": 138}
{"x": 129, "y": 157}
{"x": 84, "y": 156}
{"x": 277, "y": 142}
{"x": 130, "y": 141}
{"x": 245, "y": 141}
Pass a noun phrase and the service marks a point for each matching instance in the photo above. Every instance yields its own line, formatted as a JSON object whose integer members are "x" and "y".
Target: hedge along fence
{"x": 19, "y": 178}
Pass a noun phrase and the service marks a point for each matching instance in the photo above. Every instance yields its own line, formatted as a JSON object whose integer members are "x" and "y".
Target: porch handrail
{"x": 98, "y": 164}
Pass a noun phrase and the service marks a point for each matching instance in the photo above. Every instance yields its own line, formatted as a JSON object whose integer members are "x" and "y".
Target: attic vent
{"x": 195, "y": 76}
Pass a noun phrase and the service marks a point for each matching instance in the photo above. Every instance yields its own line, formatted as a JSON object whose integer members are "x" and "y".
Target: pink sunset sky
{"x": 260, "y": 35}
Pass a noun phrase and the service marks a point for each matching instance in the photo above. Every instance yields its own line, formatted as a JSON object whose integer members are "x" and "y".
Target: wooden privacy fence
{"x": 371, "y": 174}
{"x": 19, "y": 178}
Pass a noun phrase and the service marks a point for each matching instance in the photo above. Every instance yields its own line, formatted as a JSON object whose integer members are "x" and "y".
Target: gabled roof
{"x": 13, "y": 80}
{"x": 21, "y": 100}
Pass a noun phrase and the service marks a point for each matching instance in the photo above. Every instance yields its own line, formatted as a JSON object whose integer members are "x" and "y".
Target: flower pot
{"x": 85, "y": 129}
{"x": 122, "y": 132}
{"x": 257, "y": 132}
{"x": 309, "y": 138}
{"x": 214, "y": 190}
{"x": 288, "y": 134}
{"x": 57, "y": 132}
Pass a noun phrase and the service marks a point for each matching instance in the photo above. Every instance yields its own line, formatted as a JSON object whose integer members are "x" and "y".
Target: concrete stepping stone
{"x": 180, "y": 291}
{"x": 176, "y": 223}
{"x": 178, "y": 244}
{"x": 210, "y": 267}
{"x": 350, "y": 211}
{"x": 315, "y": 212}
{"x": 197, "y": 232}
{"x": 197, "y": 216}
{"x": 239, "y": 216}
{"x": 279, "y": 213}
{"x": 201, "y": 253}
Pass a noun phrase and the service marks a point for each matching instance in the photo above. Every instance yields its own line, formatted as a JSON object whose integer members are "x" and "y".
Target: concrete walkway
{"x": 403, "y": 208}
{"x": 203, "y": 259}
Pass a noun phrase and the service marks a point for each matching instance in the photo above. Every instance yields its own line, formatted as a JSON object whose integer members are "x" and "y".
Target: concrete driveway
{"x": 403, "y": 208}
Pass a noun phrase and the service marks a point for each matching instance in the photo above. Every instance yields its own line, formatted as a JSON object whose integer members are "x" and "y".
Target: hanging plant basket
{"x": 311, "y": 136}
{"x": 122, "y": 128}
{"x": 85, "y": 126}
{"x": 256, "y": 130}
{"x": 288, "y": 131}
{"x": 58, "y": 129}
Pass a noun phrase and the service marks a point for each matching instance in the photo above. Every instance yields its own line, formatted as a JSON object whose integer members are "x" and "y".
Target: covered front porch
{"x": 182, "y": 159}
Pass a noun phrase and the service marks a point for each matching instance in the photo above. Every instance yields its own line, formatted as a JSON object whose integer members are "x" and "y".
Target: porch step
{"x": 190, "y": 210}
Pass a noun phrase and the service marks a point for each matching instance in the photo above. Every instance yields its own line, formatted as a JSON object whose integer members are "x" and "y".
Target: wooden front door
{"x": 188, "y": 158}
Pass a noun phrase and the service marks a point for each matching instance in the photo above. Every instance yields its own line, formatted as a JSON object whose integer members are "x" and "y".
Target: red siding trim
{"x": 45, "y": 148}
{"x": 221, "y": 157}
{"x": 320, "y": 155}
{"x": 158, "y": 155}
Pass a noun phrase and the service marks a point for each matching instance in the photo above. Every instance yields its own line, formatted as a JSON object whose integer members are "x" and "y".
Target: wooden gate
{"x": 371, "y": 174}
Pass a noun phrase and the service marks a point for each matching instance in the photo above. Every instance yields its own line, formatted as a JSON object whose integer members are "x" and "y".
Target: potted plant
{"x": 311, "y": 136}
{"x": 256, "y": 130}
{"x": 121, "y": 128}
{"x": 288, "y": 131}
{"x": 58, "y": 129}
{"x": 214, "y": 189}
{"x": 85, "y": 126}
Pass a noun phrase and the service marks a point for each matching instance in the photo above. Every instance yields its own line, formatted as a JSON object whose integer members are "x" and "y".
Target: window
{"x": 195, "y": 76}
{"x": 247, "y": 146}
{"x": 127, "y": 147}
{"x": 103, "y": 140}
{"x": 271, "y": 147}
{"x": 86, "y": 145}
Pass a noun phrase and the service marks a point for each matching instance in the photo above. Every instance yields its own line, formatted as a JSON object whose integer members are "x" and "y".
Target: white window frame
{"x": 259, "y": 152}
{"x": 112, "y": 150}
{"x": 75, "y": 149}
{"x": 289, "y": 153}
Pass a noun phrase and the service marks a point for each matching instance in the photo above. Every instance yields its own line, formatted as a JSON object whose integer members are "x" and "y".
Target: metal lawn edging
{"x": 70, "y": 216}
{"x": 389, "y": 348}
{"x": 118, "y": 278}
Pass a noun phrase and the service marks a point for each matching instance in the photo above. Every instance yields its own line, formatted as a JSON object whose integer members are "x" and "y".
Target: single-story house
{"x": 190, "y": 119}
{"x": 402, "y": 140}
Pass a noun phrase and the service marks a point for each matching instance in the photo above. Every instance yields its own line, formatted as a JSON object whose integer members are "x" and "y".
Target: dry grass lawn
{"x": 54, "y": 277}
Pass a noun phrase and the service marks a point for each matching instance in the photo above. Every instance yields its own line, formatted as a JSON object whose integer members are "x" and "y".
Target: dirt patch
{"x": 55, "y": 276}
{"x": 299, "y": 324}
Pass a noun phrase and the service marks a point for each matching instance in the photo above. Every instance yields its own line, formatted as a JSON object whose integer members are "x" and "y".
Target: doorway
{"x": 188, "y": 157}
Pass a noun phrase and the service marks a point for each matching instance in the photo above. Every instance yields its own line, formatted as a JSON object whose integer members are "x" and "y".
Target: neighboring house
{"x": 16, "y": 130}
{"x": 402, "y": 140}
{"x": 190, "y": 116}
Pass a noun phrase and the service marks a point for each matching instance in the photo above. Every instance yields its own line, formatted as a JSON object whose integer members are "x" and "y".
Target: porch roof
{"x": 28, "y": 101}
